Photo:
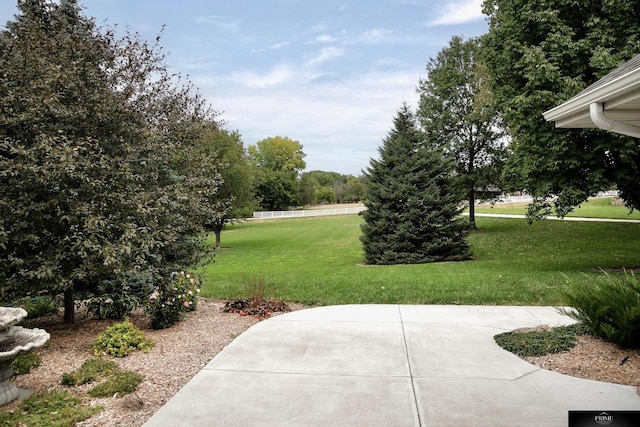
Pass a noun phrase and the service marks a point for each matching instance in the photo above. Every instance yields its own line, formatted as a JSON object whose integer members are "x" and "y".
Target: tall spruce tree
{"x": 413, "y": 202}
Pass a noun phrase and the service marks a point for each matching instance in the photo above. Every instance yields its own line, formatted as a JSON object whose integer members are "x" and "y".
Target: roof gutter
{"x": 579, "y": 103}
{"x": 596, "y": 112}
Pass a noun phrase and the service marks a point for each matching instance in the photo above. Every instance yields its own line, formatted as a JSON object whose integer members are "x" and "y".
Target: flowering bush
{"x": 171, "y": 302}
{"x": 188, "y": 287}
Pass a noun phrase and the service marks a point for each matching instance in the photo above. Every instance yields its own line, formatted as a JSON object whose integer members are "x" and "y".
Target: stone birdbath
{"x": 15, "y": 340}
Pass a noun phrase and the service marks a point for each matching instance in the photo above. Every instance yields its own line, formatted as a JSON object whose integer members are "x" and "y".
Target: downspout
{"x": 596, "y": 110}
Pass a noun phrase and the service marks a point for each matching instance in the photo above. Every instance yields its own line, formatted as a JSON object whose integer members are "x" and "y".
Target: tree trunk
{"x": 472, "y": 190}
{"x": 472, "y": 210}
{"x": 69, "y": 306}
{"x": 218, "y": 232}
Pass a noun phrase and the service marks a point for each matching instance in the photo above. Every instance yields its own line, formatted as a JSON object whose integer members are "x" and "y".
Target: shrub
{"x": 121, "y": 339}
{"x": 120, "y": 383}
{"x": 540, "y": 343}
{"x": 173, "y": 300}
{"x": 608, "y": 305}
{"x": 187, "y": 285}
{"x": 38, "y": 306}
{"x": 117, "y": 382}
{"x": 56, "y": 408}
{"x": 115, "y": 300}
{"x": 24, "y": 363}
{"x": 91, "y": 370}
{"x": 163, "y": 311}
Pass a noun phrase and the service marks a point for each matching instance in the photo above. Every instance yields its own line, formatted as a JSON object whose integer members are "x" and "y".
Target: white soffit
{"x": 618, "y": 91}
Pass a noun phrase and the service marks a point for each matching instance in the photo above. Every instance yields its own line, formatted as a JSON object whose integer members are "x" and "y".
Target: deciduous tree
{"x": 457, "y": 112}
{"x": 98, "y": 175}
{"x": 539, "y": 54}
{"x": 334, "y": 186}
{"x": 234, "y": 198}
{"x": 278, "y": 161}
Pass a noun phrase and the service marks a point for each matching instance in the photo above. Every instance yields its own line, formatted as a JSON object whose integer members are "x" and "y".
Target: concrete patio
{"x": 386, "y": 365}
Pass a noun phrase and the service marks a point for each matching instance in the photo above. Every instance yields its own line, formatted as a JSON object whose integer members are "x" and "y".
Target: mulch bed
{"x": 258, "y": 307}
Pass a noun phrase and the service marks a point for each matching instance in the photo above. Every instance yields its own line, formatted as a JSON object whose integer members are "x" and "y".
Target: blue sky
{"x": 330, "y": 74}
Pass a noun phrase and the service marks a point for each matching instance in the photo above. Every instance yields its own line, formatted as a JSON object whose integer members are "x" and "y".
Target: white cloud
{"x": 275, "y": 46}
{"x": 459, "y": 12}
{"x": 340, "y": 123}
{"x": 369, "y": 37}
{"x": 321, "y": 26}
{"x": 326, "y": 38}
{"x": 376, "y": 35}
{"x": 279, "y": 45}
{"x": 218, "y": 21}
{"x": 278, "y": 75}
{"x": 326, "y": 54}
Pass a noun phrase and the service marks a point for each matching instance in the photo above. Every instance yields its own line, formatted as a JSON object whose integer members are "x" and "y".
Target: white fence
{"x": 527, "y": 199}
{"x": 305, "y": 213}
{"x": 358, "y": 209}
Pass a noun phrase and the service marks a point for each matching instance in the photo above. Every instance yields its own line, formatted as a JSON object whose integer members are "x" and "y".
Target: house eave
{"x": 611, "y": 95}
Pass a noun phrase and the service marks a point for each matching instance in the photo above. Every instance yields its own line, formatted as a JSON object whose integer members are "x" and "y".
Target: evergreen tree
{"x": 413, "y": 202}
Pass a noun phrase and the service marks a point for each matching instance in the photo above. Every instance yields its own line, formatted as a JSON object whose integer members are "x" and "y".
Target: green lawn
{"x": 594, "y": 208}
{"x": 318, "y": 261}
